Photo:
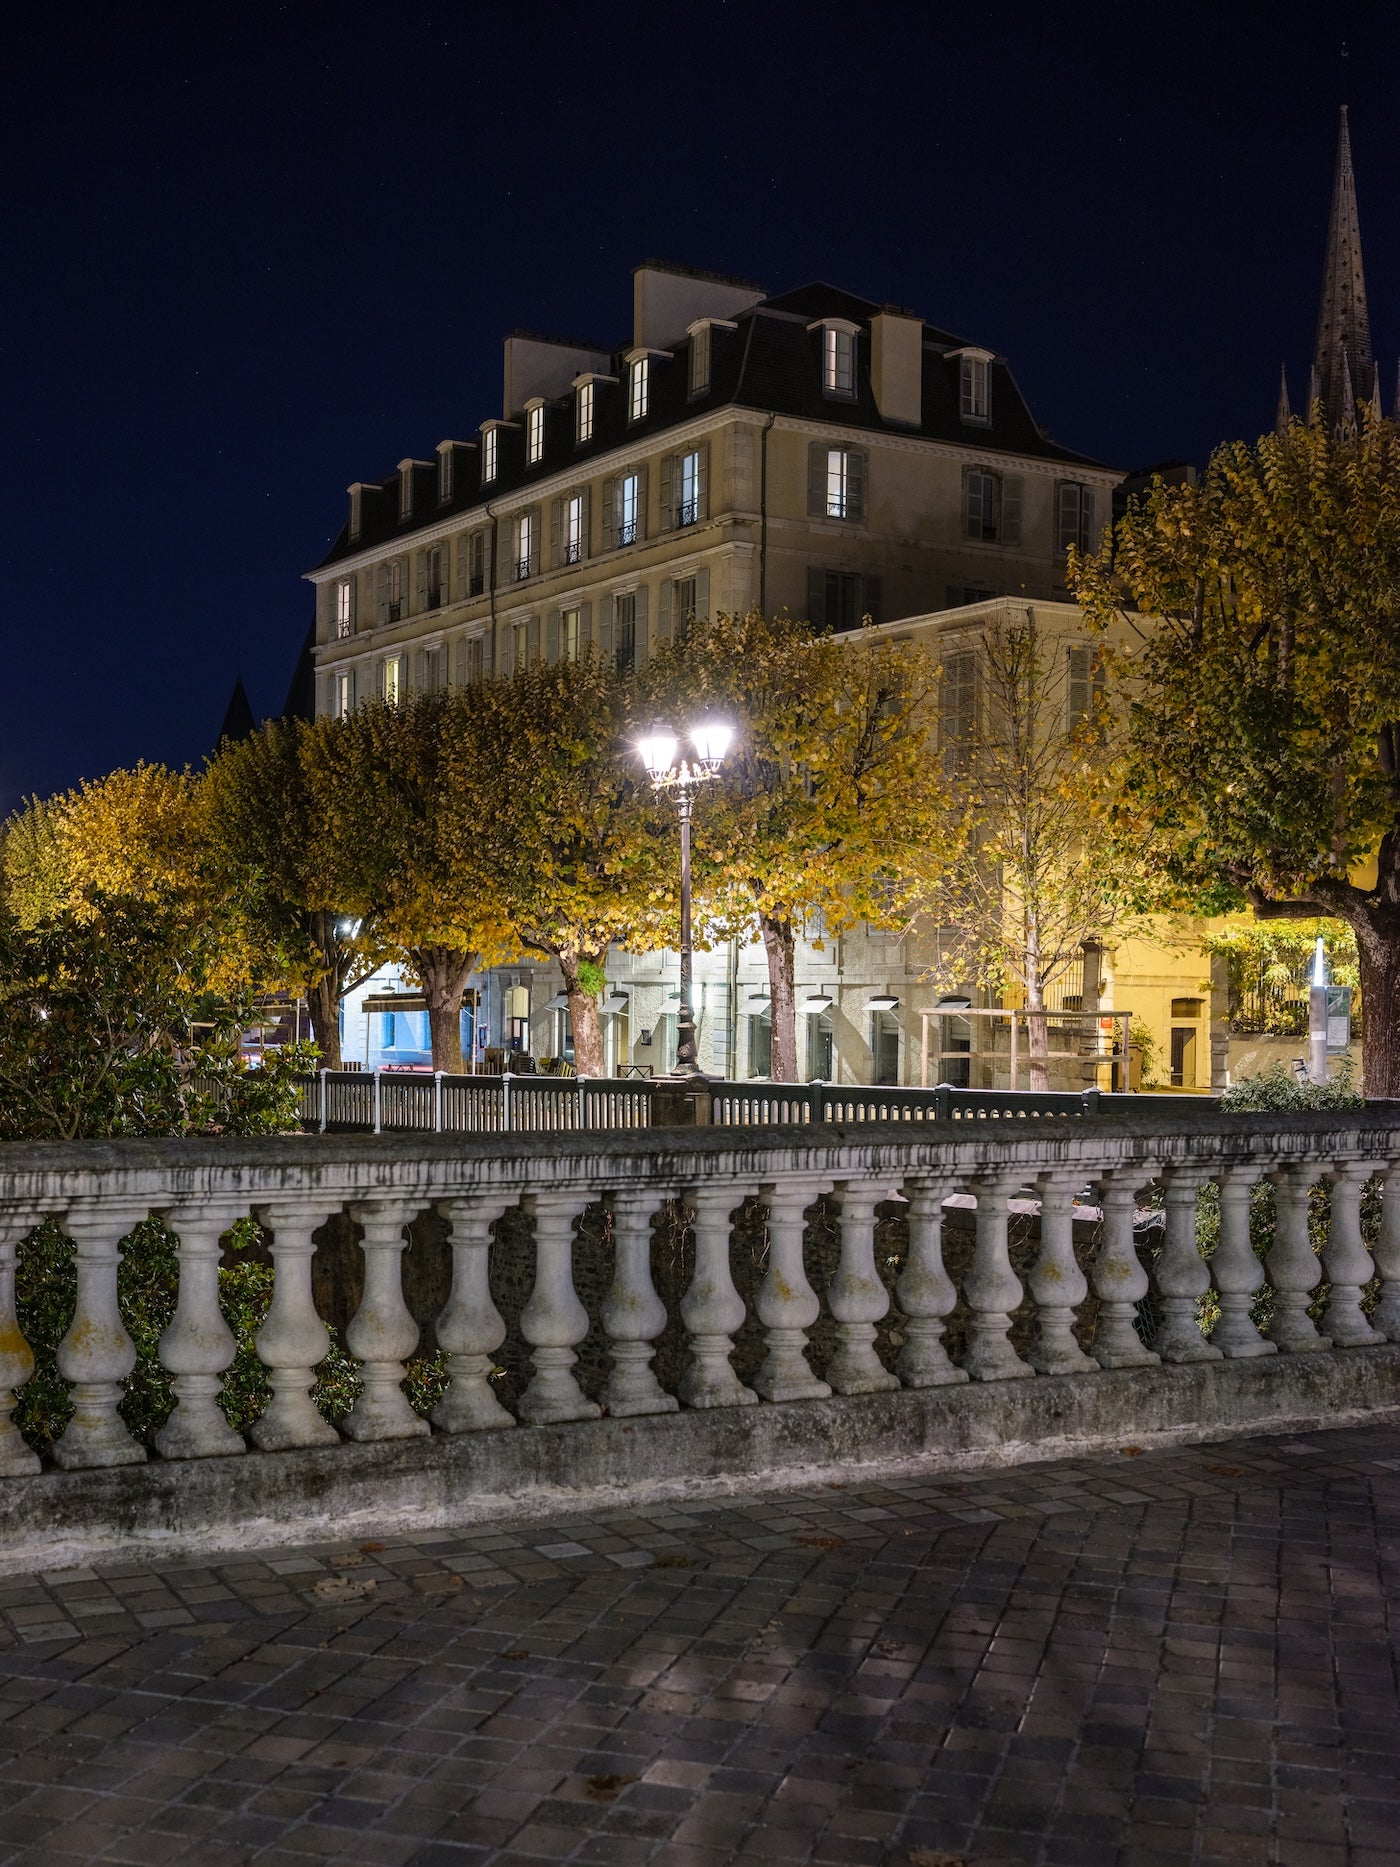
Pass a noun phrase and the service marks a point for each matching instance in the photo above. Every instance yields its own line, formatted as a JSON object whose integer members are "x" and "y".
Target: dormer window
{"x": 583, "y": 413}
{"x": 405, "y": 490}
{"x": 447, "y": 475}
{"x": 357, "y": 508}
{"x": 638, "y": 388}
{"x": 489, "y": 456}
{"x": 838, "y": 355}
{"x": 534, "y": 433}
{"x": 975, "y": 387}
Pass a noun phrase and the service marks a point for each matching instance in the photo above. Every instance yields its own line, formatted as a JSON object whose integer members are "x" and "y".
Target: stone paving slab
{"x": 1183, "y": 1656}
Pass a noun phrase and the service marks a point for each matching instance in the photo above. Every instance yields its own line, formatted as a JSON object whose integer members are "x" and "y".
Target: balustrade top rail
{"x": 393, "y": 1101}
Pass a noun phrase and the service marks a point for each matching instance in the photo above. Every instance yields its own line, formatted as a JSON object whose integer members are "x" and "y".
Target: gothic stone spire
{"x": 1342, "y": 358}
{"x": 1284, "y": 414}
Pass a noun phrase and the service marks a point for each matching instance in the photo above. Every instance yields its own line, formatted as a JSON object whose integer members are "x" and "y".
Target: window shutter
{"x": 972, "y": 502}
{"x": 556, "y": 531}
{"x": 383, "y": 594}
{"x": 551, "y": 635}
{"x": 605, "y": 625}
{"x": 855, "y": 483}
{"x": 702, "y": 595}
{"x": 505, "y": 644}
{"x": 1011, "y": 509}
{"x": 816, "y": 480}
{"x": 816, "y": 597}
{"x": 488, "y": 556}
{"x": 870, "y": 598}
{"x": 668, "y": 504}
{"x": 586, "y": 506}
{"x": 640, "y": 616}
{"x": 1087, "y": 539}
{"x": 536, "y": 528}
{"x": 609, "y": 515}
{"x": 641, "y": 504}
{"x": 585, "y": 627}
{"x": 460, "y": 669}
{"x": 702, "y": 490}
{"x": 420, "y": 583}
{"x": 532, "y": 654}
{"x": 663, "y": 610}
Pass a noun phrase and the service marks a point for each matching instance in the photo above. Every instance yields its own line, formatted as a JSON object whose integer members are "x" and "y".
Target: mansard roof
{"x": 764, "y": 358}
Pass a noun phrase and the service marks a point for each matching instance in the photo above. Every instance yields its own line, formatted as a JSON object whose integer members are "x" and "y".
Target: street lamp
{"x": 658, "y": 753}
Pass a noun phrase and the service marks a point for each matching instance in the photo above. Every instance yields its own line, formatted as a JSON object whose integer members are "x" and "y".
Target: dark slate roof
{"x": 769, "y": 361}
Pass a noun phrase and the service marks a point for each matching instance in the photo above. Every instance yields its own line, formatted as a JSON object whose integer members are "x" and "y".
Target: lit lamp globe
{"x": 658, "y": 751}
{"x": 712, "y": 739}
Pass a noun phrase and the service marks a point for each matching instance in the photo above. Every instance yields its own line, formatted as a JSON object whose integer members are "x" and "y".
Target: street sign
{"x": 1338, "y": 1018}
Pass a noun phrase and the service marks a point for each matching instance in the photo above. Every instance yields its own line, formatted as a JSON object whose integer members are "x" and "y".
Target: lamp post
{"x": 682, "y": 778}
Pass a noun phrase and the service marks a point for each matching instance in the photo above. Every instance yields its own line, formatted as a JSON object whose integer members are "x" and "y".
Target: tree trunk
{"x": 1037, "y": 1037}
{"x": 443, "y": 971}
{"x": 583, "y": 1011}
{"x": 323, "y": 1003}
{"x": 779, "y": 945}
{"x": 1378, "y": 944}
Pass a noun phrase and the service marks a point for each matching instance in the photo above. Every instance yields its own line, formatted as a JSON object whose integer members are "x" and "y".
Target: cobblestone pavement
{"x": 1165, "y": 1657}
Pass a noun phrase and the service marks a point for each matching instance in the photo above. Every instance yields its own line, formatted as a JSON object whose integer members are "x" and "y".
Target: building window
{"x": 991, "y": 506}
{"x": 958, "y": 711}
{"x": 476, "y": 564}
{"x": 429, "y": 670}
{"x": 1084, "y": 684}
{"x": 390, "y": 680}
{"x": 699, "y": 379}
{"x": 629, "y": 514}
{"x": 821, "y": 1048}
{"x": 960, "y": 593}
{"x": 520, "y": 658}
{"x": 344, "y": 608}
{"x": 975, "y": 393}
{"x": 569, "y": 633}
{"x": 638, "y": 388}
{"x": 488, "y": 455}
{"x": 344, "y": 695}
{"x": 534, "y": 435}
{"x": 838, "y": 361}
{"x": 526, "y": 544}
{"x": 884, "y": 1047}
{"x": 471, "y": 661}
{"x": 841, "y": 609}
{"x": 685, "y": 600}
{"x": 583, "y": 414}
{"x": 761, "y": 1044}
{"x": 837, "y": 482}
{"x": 689, "y": 488}
{"x": 1074, "y": 517}
{"x": 625, "y": 637}
{"x": 405, "y": 489}
{"x": 433, "y": 578}
{"x": 574, "y": 540}
{"x": 446, "y": 476}
{"x": 391, "y": 588}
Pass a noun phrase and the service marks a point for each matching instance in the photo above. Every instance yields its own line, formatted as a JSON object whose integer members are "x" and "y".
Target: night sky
{"x": 254, "y": 253}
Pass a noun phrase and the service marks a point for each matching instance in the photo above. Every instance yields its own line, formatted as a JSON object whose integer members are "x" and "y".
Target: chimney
{"x": 897, "y": 367}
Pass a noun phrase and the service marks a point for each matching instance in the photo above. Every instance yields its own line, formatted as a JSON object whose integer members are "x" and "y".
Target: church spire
{"x": 1342, "y": 358}
{"x": 1284, "y": 414}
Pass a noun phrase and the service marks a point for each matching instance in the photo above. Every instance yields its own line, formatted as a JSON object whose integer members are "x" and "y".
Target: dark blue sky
{"x": 255, "y": 252}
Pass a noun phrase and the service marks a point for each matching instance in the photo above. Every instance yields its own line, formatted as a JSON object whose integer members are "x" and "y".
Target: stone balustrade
{"x": 1070, "y": 1315}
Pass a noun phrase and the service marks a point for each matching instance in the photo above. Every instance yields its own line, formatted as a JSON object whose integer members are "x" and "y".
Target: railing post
{"x": 712, "y": 1308}
{"x": 1293, "y": 1266}
{"x": 633, "y": 1314}
{"x": 1056, "y": 1281}
{"x": 1386, "y": 1315}
{"x": 787, "y": 1304}
{"x": 324, "y": 1075}
{"x": 470, "y": 1328}
{"x": 925, "y": 1290}
{"x": 16, "y": 1356}
{"x": 378, "y": 1128}
{"x": 1120, "y": 1282}
{"x": 382, "y": 1333}
{"x": 1182, "y": 1276}
{"x": 198, "y": 1345}
{"x": 943, "y": 1102}
{"x": 992, "y": 1288}
{"x": 1235, "y": 1271}
{"x": 293, "y": 1340}
{"x": 505, "y": 1101}
{"x": 553, "y": 1319}
{"x": 857, "y": 1297}
{"x": 582, "y": 1103}
{"x": 1346, "y": 1259}
{"x": 437, "y": 1101}
{"x": 97, "y": 1353}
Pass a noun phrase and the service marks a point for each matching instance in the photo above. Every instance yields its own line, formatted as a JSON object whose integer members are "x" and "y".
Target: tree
{"x": 1046, "y": 870}
{"x": 580, "y": 849}
{"x": 269, "y": 844}
{"x": 1265, "y": 720}
{"x": 828, "y": 808}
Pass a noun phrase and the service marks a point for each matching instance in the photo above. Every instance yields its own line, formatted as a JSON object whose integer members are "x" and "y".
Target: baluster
{"x": 992, "y": 1289}
{"x": 198, "y": 1345}
{"x": 471, "y": 1327}
{"x": 787, "y": 1305}
{"x": 1182, "y": 1274}
{"x": 1386, "y": 1315}
{"x": 1056, "y": 1281}
{"x": 857, "y": 1297}
{"x": 633, "y": 1314}
{"x": 293, "y": 1340}
{"x": 97, "y": 1353}
{"x": 1235, "y": 1270}
{"x": 382, "y": 1333}
{"x": 925, "y": 1290}
{"x": 712, "y": 1308}
{"x": 553, "y": 1319}
{"x": 16, "y": 1356}
{"x": 1120, "y": 1282}
{"x": 1293, "y": 1265}
{"x": 1346, "y": 1259}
